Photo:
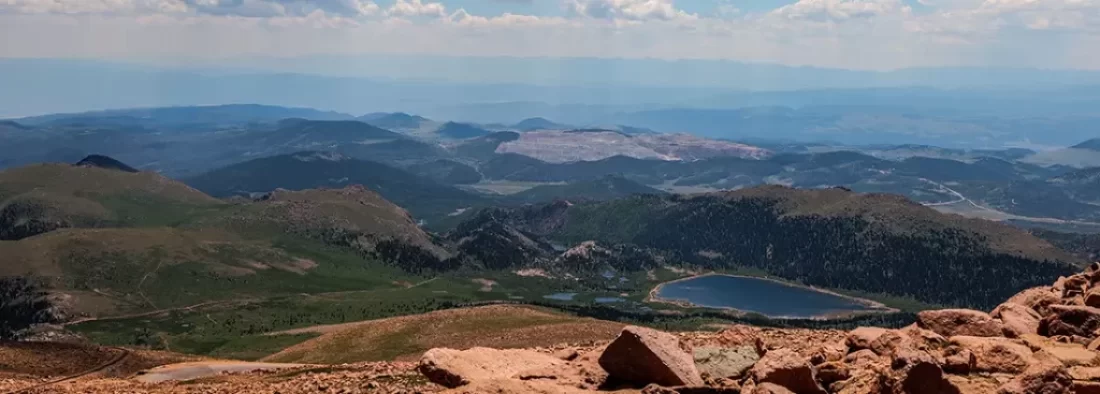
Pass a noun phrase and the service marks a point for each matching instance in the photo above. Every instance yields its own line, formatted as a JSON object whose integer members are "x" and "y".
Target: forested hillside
{"x": 828, "y": 238}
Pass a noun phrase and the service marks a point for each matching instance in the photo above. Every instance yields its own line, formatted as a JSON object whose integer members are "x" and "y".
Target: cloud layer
{"x": 868, "y": 34}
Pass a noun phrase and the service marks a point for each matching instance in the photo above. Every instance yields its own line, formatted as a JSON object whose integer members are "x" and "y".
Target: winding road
{"x": 122, "y": 354}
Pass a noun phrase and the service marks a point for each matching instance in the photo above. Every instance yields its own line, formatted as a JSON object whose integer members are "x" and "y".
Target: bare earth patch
{"x": 407, "y": 337}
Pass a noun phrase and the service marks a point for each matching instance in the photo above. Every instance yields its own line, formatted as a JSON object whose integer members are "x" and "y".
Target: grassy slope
{"x": 408, "y": 336}
{"x": 160, "y": 244}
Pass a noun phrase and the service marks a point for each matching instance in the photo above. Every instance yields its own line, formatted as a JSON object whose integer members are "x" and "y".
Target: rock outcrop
{"x": 453, "y": 368}
{"x": 642, "y": 356}
{"x": 1042, "y": 340}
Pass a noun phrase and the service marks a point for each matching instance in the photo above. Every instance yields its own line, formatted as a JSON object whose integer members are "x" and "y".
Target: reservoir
{"x": 766, "y": 297}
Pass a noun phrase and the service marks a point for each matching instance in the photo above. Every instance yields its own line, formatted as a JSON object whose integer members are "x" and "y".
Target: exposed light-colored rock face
{"x": 719, "y": 362}
{"x": 643, "y": 355}
{"x": 592, "y": 145}
{"x": 453, "y": 368}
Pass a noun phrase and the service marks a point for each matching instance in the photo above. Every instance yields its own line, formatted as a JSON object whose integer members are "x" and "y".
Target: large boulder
{"x": 642, "y": 356}
{"x": 720, "y": 362}
{"x": 786, "y": 368}
{"x": 1068, "y": 354}
{"x": 770, "y": 388}
{"x": 917, "y": 372}
{"x": 861, "y": 337}
{"x": 454, "y": 368}
{"x": 1018, "y": 319}
{"x": 862, "y": 358}
{"x": 924, "y": 339}
{"x": 1070, "y": 320}
{"x": 1042, "y": 378}
{"x": 1037, "y": 298}
{"x": 514, "y": 386}
{"x": 892, "y": 342}
{"x": 832, "y": 371}
{"x": 861, "y": 382}
{"x": 993, "y": 354}
{"x": 952, "y": 322}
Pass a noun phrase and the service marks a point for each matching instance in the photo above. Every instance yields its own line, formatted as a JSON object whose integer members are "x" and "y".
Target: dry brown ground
{"x": 406, "y": 337}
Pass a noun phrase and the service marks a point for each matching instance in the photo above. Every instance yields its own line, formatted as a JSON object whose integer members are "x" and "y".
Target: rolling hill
{"x": 41, "y": 198}
{"x": 309, "y": 170}
{"x": 113, "y": 241}
{"x": 183, "y": 118}
{"x": 461, "y": 131}
{"x": 394, "y": 121}
{"x": 408, "y": 337}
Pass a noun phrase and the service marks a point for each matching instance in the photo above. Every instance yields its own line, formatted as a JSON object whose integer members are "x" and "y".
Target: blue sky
{"x": 847, "y": 34}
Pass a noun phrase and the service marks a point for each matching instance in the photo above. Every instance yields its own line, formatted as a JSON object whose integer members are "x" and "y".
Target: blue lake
{"x": 762, "y": 296}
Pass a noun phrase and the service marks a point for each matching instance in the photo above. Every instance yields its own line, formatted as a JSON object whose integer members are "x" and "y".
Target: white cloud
{"x": 867, "y": 34}
{"x": 91, "y": 6}
{"x": 839, "y": 9}
{"x": 632, "y": 10}
{"x": 403, "y": 8}
{"x": 244, "y": 8}
{"x": 463, "y": 18}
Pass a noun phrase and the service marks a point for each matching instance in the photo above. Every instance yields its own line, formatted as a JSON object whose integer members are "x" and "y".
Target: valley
{"x": 326, "y": 240}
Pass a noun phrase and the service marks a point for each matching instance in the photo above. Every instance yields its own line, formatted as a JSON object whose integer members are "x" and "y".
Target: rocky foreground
{"x": 1042, "y": 340}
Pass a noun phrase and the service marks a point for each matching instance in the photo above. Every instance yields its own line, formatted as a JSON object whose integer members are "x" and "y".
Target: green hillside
{"x": 119, "y": 242}
{"x": 828, "y": 237}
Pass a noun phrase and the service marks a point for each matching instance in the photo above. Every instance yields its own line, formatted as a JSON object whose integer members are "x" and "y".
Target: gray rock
{"x": 721, "y": 362}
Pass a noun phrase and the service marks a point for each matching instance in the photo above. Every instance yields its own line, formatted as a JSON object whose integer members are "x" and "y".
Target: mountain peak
{"x": 1093, "y": 144}
{"x": 538, "y": 123}
{"x": 104, "y": 162}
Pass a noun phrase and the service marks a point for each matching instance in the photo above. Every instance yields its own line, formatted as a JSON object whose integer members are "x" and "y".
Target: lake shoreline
{"x": 875, "y": 307}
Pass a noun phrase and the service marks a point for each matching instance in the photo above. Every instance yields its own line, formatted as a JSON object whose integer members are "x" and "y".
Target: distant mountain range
{"x": 188, "y": 142}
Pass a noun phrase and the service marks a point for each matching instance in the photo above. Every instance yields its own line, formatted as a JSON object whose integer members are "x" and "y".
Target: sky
{"x": 847, "y": 34}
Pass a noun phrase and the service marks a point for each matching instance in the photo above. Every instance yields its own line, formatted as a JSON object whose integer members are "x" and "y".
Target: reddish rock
{"x": 916, "y": 372}
{"x": 770, "y": 388}
{"x": 453, "y": 368}
{"x": 512, "y": 386}
{"x": 1092, "y": 297}
{"x": 642, "y": 356}
{"x": 959, "y": 361}
{"x": 1039, "y": 379}
{"x": 952, "y": 322}
{"x": 829, "y": 352}
{"x": 1079, "y": 387}
{"x": 1067, "y": 353}
{"x": 788, "y": 369}
{"x": 1037, "y": 298}
{"x": 862, "y": 358}
{"x": 861, "y": 337}
{"x": 1017, "y": 318}
{"x": 891, "y": 342}
{"x": 995, "y": 354}
{"x": 1075, "y": 285}
{"x": 924, "y": 339}
{"x": 1070, "y": 320}
{"x": 861, "y": 382}
{"x": 832, "y": 371}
